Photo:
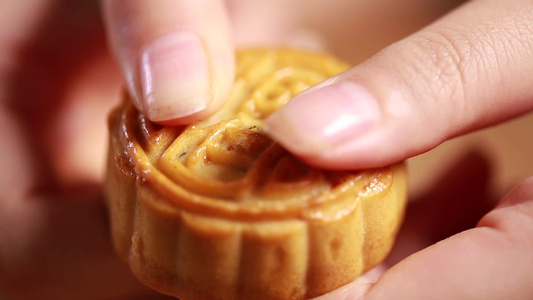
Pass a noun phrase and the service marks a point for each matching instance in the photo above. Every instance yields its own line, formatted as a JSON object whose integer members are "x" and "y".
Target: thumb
{"x": 176, "y": 55}
{"x": 468, "y": 70}
{"x": 491, "y": 261}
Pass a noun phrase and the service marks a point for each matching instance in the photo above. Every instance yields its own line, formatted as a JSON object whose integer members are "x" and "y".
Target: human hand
{"x": 165, "y": 48}
{"x": 469, "y": 70}
{"x": 57, "y": 236}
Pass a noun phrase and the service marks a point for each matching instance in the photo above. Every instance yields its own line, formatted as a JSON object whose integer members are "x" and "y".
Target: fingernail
{"x": 175, "y": 77}
{"x": 357, "y": 292}
{"x": 348, "y": 292}
{"x": 324, "y": 118}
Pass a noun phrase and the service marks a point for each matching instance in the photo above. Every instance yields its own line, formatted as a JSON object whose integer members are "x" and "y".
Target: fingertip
{"x": 174, "y": 77}
{"x": 338, "y": 125}
{"x": 325, "y": 118}
{"x": 177, "y": 57}
{"x": 189, "y": 119}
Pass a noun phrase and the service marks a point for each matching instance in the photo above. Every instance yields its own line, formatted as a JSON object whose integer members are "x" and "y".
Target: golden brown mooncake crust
{"x": 217, "y": 210}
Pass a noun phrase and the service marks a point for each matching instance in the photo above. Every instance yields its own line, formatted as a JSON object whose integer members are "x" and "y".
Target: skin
{"x": 444, "y": 78}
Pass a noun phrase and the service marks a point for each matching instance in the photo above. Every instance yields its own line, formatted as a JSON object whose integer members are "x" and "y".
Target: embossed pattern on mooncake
{"x": 217, "y": 210}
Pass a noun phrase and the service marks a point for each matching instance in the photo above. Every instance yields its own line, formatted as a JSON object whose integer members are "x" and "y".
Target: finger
{"x": 176, "y": 55}
{"x": 458, "y": 200}
{"x": 492, "y": 261}
{"x": 356, "y": 288}
{"x": 452, "y": 206}
{"x": 468, "y": 70}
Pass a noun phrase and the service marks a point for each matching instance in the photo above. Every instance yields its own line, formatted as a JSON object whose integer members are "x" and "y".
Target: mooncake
{"x": 218, "y": 210}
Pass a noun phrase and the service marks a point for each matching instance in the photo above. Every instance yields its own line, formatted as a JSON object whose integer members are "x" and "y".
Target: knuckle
{"x": 444, "y": 58}
{"x": 454, "y": 62}
{"x": 434, "y": 66}
{"x": 515, "y": 36}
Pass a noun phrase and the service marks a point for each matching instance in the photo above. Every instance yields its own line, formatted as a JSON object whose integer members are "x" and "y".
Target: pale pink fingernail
{"x": 348, "y": 292}
{"x": 324, "y": 118}
{"x": 175, "y": 77}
